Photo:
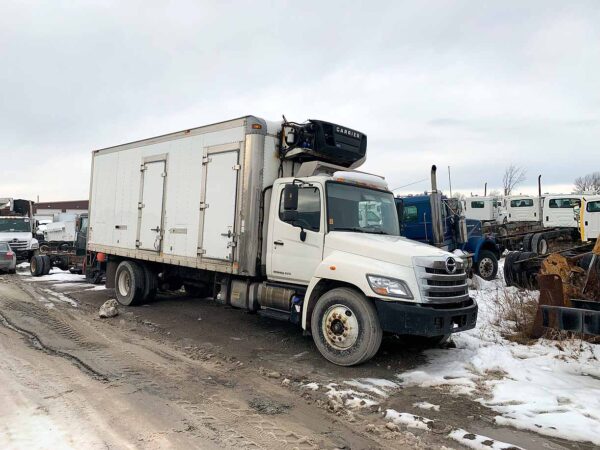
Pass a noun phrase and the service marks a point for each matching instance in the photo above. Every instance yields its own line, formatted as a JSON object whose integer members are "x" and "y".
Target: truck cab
{"x": 561, "y": 211}
{"x": 522, "y": 208}
{"x": 17, "y": 227}
{"x": 484, "y": 209}
{"x": 590, "y": 218}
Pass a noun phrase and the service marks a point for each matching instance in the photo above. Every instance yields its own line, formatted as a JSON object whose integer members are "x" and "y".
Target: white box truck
{"x": 270, "y": 217}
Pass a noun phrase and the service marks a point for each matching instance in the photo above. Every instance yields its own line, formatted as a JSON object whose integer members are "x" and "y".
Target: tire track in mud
{"x": 37, "y": 344}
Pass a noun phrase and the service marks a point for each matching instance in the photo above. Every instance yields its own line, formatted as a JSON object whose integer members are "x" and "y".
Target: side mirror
{"x": 290, "y": 197}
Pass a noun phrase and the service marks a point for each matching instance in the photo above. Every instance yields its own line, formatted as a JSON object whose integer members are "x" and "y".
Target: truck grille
{"x": 17, "y": 245}
{"x": 442, "y": 280}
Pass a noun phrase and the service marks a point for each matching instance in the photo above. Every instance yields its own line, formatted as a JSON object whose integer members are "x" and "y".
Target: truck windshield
{"x": 14, "y": 225}
{"x": 361, "y": 209}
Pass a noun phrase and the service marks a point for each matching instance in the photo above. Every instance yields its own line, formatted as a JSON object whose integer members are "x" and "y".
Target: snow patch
{"x": 408, "y": 420}
{"x": 311, "y": 386}
{"x": 478, "y": 442}
{"x": 349, "y": 397}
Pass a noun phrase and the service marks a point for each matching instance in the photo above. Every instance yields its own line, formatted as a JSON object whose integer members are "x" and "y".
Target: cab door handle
{"x": 278, "y": 242}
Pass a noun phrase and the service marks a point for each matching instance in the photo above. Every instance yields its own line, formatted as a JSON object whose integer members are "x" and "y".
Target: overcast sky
{"x": 474, "y": 85}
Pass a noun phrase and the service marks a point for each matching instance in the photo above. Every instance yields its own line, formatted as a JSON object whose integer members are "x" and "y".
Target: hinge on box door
{"x": 201, "y": 251}
{"x": 231, "y": 244}
{"x": 206, "y": 160}
{"x": 164, "y": 174}
{"x": 140, "y": 205}
{"x": 203, "y": 206}
{"x": 142, "y": 167}
{"x": 138, "y": 243}
{"x": 237, "y": 167}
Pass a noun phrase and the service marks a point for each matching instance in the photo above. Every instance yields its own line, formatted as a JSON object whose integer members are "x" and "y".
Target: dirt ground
{"x": 189, "y": 373}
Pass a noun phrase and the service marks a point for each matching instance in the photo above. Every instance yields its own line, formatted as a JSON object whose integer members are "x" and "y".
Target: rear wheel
{"x": 345, "y": 327}
{"x": 151, "y": 284}
{"x": 36, "y": 266}
{"x": 129, "y": 283}
{"x": 487, "y": 266}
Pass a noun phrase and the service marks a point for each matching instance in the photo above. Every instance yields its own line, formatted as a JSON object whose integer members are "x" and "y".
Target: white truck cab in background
{"x": 561, "y": 210}
{"x": 17, "y": 227}
{"x": 485, "y": 209}
{"x": 272, "y": 217}
{"x": 590, "y": 217}
{"x": 522, "y": 208}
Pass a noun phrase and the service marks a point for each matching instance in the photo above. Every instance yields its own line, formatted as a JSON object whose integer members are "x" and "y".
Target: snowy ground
{"x": 549, "y": 388}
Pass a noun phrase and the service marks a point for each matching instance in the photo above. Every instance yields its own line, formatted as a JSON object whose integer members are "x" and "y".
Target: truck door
{"x": 290, "y": 258}
{"x": 591, "y": 220}
{"x": 150, "y": 222}
{"x": 220, "y": 193}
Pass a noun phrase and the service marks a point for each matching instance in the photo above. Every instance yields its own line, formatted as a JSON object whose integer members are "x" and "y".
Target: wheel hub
{"x": 340, "y": 327}
{"x": 486, "y": 267}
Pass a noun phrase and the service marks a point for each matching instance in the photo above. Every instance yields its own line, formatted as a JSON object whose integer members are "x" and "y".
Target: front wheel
{"x": 345, "y": 327}
{"x": 487, "y": 266}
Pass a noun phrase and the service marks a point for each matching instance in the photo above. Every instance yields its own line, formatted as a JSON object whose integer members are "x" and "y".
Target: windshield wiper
{"x": 358, "y": 230}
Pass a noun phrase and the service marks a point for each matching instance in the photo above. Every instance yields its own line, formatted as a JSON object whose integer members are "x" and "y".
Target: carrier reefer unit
{"x": 272, "y": 217}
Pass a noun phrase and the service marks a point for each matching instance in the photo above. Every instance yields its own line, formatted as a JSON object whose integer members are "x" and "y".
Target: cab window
{"x": 564, "y": 203}
{"x": 410, "y": 214}
{"x": 521, "y": 203}
{"x": 593, "y": 206}
{"x": 309, "y": 209}
{"x": 477, "y": 204}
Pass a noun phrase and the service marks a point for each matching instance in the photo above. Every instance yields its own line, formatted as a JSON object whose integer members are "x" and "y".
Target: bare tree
{"x": 587, "y": 183}
{"x": 513, "y": 176}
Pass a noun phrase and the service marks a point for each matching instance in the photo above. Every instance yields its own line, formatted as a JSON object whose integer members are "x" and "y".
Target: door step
{"x": 275, "y": 314}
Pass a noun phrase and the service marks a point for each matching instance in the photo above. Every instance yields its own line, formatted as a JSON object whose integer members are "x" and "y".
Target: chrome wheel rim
{"x": 340, "y": 327}
{"x": 543, "y": 247}
{"x": 124, "y": 283}
{"x": 486, "y": 268}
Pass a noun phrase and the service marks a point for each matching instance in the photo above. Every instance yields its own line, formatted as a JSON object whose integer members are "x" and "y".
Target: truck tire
{"x": 129, "y": 283}
{"x": 539, "y": 244}
{"x": 47, "y": 264}
{"x": 487, "y": 266}
{"x": 527, "y": 242}
{"x": 36, "y": 266}
{"x": 508, "y": 268}
{"x": 345, "y": 327}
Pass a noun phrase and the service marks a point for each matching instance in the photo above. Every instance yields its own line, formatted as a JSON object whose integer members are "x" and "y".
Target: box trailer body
{"x": 273, "y": 217}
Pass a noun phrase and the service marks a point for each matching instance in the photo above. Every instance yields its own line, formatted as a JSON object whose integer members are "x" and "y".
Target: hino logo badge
{"x": 347, "y": 132}
{"x": 451, "y": 265}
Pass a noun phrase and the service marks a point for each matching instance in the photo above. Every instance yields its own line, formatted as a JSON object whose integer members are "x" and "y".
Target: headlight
{"x": 34, "y": 244}
{"x": 389, "y": 287}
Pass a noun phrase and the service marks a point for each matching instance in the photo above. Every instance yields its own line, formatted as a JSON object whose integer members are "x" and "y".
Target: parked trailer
{"x": 266, "y": 216}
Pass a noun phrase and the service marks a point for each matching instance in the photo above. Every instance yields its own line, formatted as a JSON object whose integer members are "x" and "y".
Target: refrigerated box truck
{"x": 271, "y": 217}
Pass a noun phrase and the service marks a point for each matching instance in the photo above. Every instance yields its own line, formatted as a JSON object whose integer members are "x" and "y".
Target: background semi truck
{"x": 272, "y": 217}
{"x": 437, "y": 220}
{"x": 17, "y": 227}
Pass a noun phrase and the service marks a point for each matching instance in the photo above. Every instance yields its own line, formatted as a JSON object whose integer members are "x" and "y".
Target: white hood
{"x": 7, "y": 236}
{"x": 392, "y": 249}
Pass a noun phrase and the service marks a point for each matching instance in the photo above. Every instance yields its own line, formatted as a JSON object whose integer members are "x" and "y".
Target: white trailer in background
{"x": 272, "y": 217}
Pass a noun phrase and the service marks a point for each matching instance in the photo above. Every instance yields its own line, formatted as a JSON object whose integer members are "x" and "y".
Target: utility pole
{"x": 450, "y": 181}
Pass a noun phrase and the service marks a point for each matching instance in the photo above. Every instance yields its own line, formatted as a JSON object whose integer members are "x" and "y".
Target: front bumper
{"x": 420, "y": 320}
